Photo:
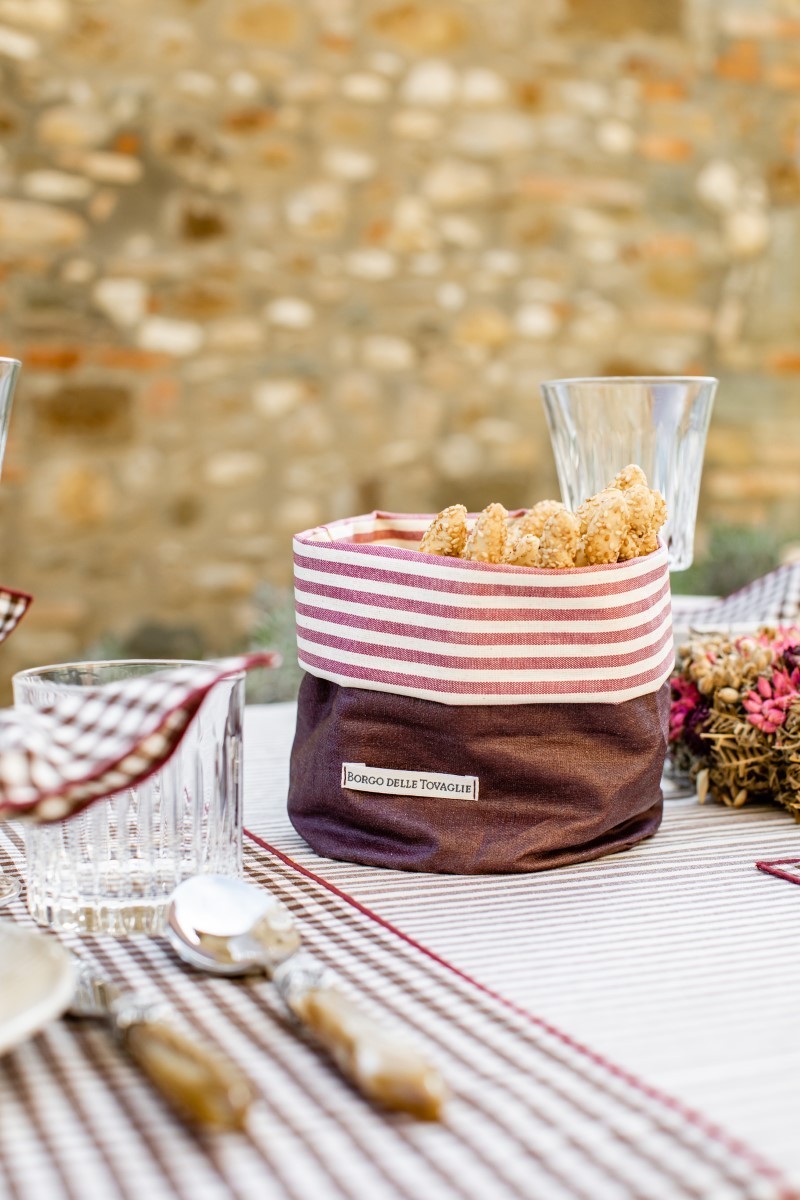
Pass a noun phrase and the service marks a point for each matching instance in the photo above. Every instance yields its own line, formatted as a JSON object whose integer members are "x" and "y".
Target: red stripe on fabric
{"x": 457, "y": 612}
{"x": 429, "y": 581}
{"x": 468, "y": 662}
{"x": 460, "y": 637}
{"x": 465, "y": 687}
{"x": 773, "y": 868}
{"x": 690, "y": 1115}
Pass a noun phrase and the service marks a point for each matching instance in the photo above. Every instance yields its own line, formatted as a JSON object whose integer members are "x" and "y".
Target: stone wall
{"x": 270, "y": 262}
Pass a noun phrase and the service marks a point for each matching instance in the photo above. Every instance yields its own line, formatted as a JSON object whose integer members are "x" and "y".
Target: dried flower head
{"x": 768, "y": 703}
{"x": 735, "y": 716}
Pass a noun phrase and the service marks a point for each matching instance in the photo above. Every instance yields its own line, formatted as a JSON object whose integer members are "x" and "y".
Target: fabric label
{"x": 361, "y": 778}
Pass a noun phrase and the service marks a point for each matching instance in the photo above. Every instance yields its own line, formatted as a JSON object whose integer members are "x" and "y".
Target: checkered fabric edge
{"x": 13, "y": 606}
{"x": 772, "y": 599}
{"x": 93, "y": 741}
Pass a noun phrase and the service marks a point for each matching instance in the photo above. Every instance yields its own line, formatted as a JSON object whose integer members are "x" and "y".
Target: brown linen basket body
{"x": 558, "y": 781}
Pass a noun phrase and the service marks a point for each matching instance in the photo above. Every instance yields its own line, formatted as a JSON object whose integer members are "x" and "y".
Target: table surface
{"x": 676, "y": 959}
{"x": 672, "y": 962}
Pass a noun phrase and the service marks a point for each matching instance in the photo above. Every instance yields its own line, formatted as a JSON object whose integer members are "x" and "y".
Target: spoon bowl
{"x": 229, "y": 927}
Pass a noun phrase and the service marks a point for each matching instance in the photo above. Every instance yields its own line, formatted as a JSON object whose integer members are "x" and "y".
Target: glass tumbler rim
{"x": 39, "y": 674}
{"x": 638, "y": 379}
{"x": 14, "y": 362}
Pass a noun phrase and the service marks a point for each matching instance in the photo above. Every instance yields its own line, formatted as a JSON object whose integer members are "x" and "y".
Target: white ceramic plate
{"x": 37, "y": 980}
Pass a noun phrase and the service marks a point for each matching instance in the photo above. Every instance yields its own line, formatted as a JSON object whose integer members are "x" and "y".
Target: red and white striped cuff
{"x": 372, "y": 612}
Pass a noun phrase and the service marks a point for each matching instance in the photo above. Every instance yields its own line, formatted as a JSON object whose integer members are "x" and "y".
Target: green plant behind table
{"x": 275, "y": 630}
{"x": 736, "y": 555}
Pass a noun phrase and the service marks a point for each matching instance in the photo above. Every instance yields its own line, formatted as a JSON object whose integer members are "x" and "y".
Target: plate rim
{"x": 18, "y": 1028}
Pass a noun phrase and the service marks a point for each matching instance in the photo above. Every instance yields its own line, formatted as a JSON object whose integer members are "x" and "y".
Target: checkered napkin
{"x": 772, "y": 599}
{"x": 97, "y": 740}
{"x": 532, "y": 1115}
{"x": 13, "y": 606}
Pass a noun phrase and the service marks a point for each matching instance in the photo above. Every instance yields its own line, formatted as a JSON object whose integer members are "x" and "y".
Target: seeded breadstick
{"x": 630, "y": 476}
{"x": 487, "y": 542}
{"x": 659, "y": 510}
{"x": 641, "y": 507}
{"x": 447, "y": 533}
{"x": 522, "y": 550}
{"x": 648, "y": 542}
{"x": 535, "y": 519}
{"x": 559, "y": 541}
{"x": 608, "y": 523}
{"x": 587, "y": 509}
{"x": 630, "y": 546}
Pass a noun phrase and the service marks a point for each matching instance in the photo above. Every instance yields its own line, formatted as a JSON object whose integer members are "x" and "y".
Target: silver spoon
{"x": 229, "y": 927}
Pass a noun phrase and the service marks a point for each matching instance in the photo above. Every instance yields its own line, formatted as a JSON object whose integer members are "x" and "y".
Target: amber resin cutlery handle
{"x": 385, "y": 1067}
{"x": 202, "y": 1085}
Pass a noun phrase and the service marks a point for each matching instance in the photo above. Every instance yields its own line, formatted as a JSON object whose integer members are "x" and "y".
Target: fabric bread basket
{"x": 468, "y": 717}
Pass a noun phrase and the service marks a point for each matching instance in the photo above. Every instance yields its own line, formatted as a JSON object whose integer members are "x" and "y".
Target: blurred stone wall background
{"x": 269, "y": 262}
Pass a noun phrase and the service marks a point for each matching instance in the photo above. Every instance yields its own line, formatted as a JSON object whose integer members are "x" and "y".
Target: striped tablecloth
{"x": 533, "y": 1114}
{"x": 676, "y": 959}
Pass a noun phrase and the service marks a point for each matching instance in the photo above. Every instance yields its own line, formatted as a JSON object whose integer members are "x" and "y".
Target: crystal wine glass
{"x": 597, "y": 426}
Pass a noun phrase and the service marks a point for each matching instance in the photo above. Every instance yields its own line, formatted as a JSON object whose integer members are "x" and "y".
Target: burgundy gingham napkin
{"x": 97, "y": 740}
{"x": 13, "y": 606}
{"x": 772, "y": 599}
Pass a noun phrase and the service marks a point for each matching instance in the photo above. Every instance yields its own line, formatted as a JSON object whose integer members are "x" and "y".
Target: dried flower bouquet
{"x": 735, "y": 716}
